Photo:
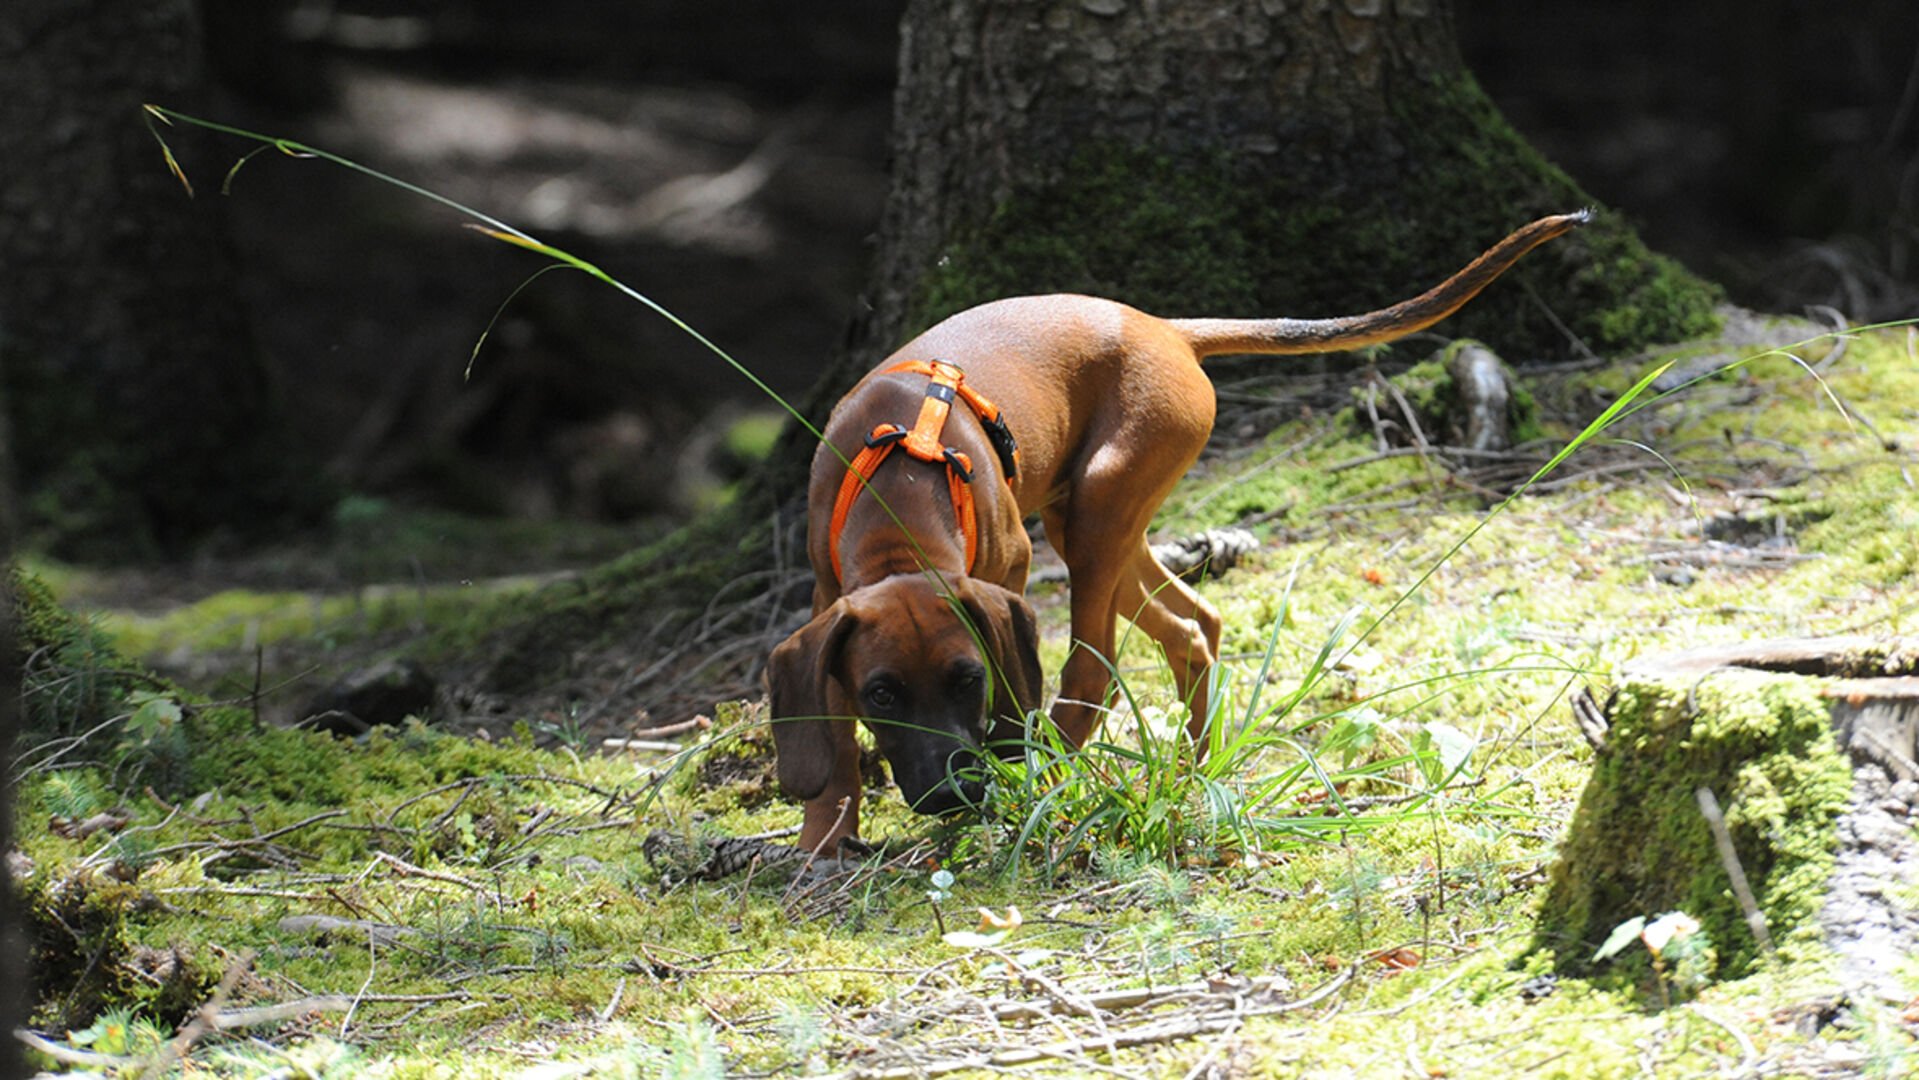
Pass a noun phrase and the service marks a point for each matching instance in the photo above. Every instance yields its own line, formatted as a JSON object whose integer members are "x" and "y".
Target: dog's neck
{"x": 884, "y": 553}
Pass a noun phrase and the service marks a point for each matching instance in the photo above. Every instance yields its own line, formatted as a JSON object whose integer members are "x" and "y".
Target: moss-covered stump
{"x": 1766, "y": 727}
{"x": 1463, "y": 396}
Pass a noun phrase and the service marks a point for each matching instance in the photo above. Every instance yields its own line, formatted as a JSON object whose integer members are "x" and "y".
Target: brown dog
{"x": 919, "y": 626}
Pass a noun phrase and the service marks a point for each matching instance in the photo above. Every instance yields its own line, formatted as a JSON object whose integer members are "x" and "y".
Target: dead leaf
{"x": 1009, "y": 922}
{"x": 1396, "y": 960}
{"x": 993, "y": 929}
{"x": 1666, "y": 929}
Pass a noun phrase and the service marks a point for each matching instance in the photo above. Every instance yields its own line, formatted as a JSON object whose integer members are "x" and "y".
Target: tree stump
{"x": 1808, "y": 745}
{"x": 1464, "y": 396}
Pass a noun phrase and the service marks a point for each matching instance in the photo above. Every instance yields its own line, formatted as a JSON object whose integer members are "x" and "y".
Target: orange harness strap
{"x": 923, "y": 442}
{"x": 989, "y": 415}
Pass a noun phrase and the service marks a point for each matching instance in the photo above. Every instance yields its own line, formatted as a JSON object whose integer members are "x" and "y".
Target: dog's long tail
{"x": 1284, "y": 337}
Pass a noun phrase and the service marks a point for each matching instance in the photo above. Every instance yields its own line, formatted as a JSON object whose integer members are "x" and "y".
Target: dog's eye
{"x": 968, "y": 679}
{"x": 881, "y": 696}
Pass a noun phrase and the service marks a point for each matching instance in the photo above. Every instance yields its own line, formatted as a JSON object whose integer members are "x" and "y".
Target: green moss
{"x": 1121, "y": 222}
{"x": 86, "y": 953}
{"x": 310, "y": 768}
{"x": 1639, "y": 845}
{"x": 39, "y": 620}
{"x": 72, "y": 676}
{"x": 376, "y": 540}
{"x": 437, "y": 582}
{"x": 1282, "y": 483}
{"x": 228, "y": 620}
{"x": 1523, "y": 413}
{"x": 1870, "y": 518}
{"x": 1221, "y": 234}
{"x": 751, "y": 437}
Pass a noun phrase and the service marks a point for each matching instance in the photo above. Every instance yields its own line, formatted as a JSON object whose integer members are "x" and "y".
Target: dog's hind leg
{"x": 1181, "y": 622}
{"x": 1085, "y": 681}
{"x": 1100, "y": 532}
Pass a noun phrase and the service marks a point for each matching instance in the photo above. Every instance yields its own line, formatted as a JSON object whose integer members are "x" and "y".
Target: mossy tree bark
{"x": 14, "y": 976}
{"x": 1254, "y": 158}
{"x": 142, "y": 415}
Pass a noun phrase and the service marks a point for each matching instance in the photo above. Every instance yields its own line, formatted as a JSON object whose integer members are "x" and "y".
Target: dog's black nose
{"x": 949, "y": 796}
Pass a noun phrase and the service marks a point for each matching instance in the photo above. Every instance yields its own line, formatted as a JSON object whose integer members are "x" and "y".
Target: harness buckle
{"x": 884, "y": 435}
{"x": 1001, "y": 437}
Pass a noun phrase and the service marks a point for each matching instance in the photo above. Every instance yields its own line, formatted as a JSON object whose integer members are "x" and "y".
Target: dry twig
{"x": 1178, "y": 1028}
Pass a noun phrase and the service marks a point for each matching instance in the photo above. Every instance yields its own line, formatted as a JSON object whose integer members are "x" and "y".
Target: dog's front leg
{"x": 1087, "y": 678}
{"x": 834, "y": 813}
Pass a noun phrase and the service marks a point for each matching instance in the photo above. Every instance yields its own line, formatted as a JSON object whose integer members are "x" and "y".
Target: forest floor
{"x": 1358, "y": 899}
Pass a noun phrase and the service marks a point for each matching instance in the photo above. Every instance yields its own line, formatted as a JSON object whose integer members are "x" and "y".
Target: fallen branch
{"x": 317, "y": 925}
{"x": 1735, "y": 871}
{"x": 1056, "y": 994}
{"x": 67, "y": 1055}
{"x": 658, "y": 746}
{"x": 204, "y": 1020}
{"x": 222, "y": 846}
{"x": 1136, "y": 997}
{"x": 325, "y": 1003}
{"x": 1177, "y": 1029}
{"x": 697, "y": 723}
{"x": 410, "y": 870}
{"x": 613, "y": 798}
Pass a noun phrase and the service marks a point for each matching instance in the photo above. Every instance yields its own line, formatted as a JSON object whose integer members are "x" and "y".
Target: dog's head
{"x": 933, "y": 668}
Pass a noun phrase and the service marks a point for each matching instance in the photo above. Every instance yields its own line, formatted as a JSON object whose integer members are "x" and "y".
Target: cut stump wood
{"x": 1809, "y": 745}
{"x": 1464, "y": 397}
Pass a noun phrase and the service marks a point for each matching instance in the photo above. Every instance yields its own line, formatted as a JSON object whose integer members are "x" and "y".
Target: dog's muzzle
{"x": 932, "y": 789}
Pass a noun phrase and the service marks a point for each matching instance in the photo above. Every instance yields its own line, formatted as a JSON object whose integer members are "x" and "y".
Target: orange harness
{"x": 923, "y": 442}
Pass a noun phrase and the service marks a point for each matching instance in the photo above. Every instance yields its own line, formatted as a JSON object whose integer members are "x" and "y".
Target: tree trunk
{"x": 1248, "y": 159}
{"x": 15, "y": 947}
{"x": 141, "y": 410}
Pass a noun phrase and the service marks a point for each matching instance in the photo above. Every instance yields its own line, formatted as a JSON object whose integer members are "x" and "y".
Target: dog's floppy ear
{"x": 1010, "y": 632}
{"x": 796, "y": 678}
